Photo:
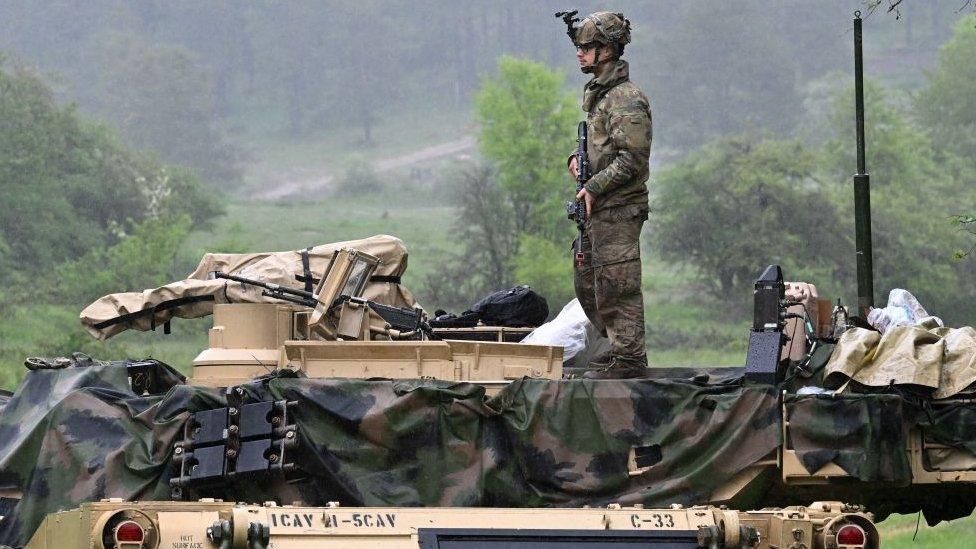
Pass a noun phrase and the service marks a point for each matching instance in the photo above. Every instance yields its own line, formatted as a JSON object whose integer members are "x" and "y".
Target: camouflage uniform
{"x": 609, "y": 283}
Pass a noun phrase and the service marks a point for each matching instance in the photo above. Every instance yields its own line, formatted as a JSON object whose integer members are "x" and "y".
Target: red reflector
{"x": 129, "y": 532}
{"x": 850, "y": 535}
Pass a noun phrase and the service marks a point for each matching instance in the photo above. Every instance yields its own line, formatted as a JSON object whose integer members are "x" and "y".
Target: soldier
{"x": 618, "y": 119}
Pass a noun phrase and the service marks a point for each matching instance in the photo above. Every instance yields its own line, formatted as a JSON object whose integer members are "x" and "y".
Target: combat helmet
{"x": 602, "y": 27}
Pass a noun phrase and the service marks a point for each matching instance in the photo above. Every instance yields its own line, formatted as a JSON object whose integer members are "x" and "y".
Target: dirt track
{"x": 427, "y": 154}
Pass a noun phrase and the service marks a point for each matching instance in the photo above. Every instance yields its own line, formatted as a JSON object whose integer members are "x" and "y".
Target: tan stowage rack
{"x": 209, "y": 524}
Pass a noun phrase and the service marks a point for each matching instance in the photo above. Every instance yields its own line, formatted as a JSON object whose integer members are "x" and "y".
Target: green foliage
{"x": 161, "y": 99}
{"x": 511, "y": 217}
{"x": 510, "y": 214}
{"x": 545, "y": 265}
{"x": 64, "y": 183}
{"x": 707, "y": 76}
{"x": 966, "y": 223}
{"x": 360, "y": 177}
{"x": 739, "y": 204}
{"x": 914, "y": 189}
{"x": 146, "y": 258}
{"x": 526, "y": 134}
{"x": 71, "y": 191}
{"x": 947, "y": 103}
{"x": 485, "y": 226}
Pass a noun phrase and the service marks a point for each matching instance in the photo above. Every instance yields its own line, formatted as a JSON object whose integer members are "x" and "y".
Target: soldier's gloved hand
{"x": 573, "y": 167}
{"x": 587, "y": 199}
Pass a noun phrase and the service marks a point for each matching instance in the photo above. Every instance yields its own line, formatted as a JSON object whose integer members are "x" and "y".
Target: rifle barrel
{"x": 266, "y": 285}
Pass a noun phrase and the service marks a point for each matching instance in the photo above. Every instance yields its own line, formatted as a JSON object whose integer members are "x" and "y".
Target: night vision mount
{"x": 569, "y": 17}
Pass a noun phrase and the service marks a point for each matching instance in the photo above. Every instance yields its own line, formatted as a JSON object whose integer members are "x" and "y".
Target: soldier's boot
{"x": 620, "y": 368}
{"x": 600, "y": 360}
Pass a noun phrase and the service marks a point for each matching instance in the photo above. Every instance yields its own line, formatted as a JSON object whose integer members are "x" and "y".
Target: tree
{"x": 894, "y": 6}
{"x": 966, "y": 223}
{"x": 947, "y": 103}
{"x": 69, "y": 187}
{"x": 739, "y": 204}
{"x": 511, "y": 217}
{"x": 163, "y": 101}
{"x": 914, "y": 189}
{"x": 707, "y": 78}
{"x": 485, "y": 224}
{"x": 147, "y": 257}
{"x": 526, "y": 135}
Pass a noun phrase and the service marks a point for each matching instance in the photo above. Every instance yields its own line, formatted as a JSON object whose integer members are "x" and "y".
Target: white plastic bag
{"x": 567, "y": 330}
{"x": 902, "y": 310}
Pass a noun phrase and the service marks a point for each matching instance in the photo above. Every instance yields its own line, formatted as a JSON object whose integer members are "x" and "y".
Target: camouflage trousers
{"x": 608, "y": 284}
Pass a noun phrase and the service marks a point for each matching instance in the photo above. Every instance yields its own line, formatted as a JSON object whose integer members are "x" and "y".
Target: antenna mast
{"x": 862, "y": 187}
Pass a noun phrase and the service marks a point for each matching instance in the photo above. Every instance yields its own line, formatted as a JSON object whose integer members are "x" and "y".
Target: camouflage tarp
{"x": 537, "y": 443}
{"x": 195, "y": 296}
{"x": 866, "y": 435}
{"x": 80, "y": 434}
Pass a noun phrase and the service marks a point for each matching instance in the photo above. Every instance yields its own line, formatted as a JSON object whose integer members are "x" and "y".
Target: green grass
{"x": 897, "y": 532}
{"x": 421, "y": 220}
{"x": 684, "y": 328}
{"x": 275, "y": 155}
{"x": 54, "y": 330}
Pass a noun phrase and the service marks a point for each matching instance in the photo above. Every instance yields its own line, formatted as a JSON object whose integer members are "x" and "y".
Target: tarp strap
{"x": 306, "y": 277}
{"x": 151, "y": 311}
{"x": 385, "y": 278}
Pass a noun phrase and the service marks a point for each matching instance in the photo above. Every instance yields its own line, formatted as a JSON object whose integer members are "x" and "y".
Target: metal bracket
{"x": 241, "y": 441}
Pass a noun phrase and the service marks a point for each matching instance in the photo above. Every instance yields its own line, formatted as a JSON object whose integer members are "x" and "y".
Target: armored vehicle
{"x": 325, "y": 392}
{"x": 212, "y": 524}
{"x": 360, "y": 404}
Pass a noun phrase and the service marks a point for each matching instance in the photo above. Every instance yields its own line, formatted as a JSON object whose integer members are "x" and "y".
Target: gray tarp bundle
{"x": 195, "y": 296}
{"x": 938, "y": 361}
{"x": 79, "y": 434}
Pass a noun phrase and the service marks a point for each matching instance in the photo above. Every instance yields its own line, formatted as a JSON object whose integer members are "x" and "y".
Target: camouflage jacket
{"x": 619, "y": 130}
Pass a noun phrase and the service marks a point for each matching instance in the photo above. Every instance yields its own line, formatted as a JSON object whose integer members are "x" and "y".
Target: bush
{"x": 146, "y": 258}
{"x": 739, "y": 204}
{"x": 915, "y": 189}
{"x": 360, "y": 178}
{"x": 73, "y": 196}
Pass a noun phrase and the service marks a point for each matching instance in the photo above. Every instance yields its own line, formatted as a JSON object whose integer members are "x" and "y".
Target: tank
{"x": 360, "y": 404}
{"x": 110, "y": 524}
{"x": 325, "y": 393}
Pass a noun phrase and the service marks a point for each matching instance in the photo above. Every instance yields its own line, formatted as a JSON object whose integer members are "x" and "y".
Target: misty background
{"x": 138, "y": 135}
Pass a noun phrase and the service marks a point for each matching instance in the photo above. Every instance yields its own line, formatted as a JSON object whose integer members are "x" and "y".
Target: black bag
{"x": 467, "y": 319}
{"x": 514, "y": 308}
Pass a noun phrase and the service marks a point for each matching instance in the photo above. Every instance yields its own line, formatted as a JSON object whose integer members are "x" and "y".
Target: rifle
{"x": 407, "y": 321}
{"x": 576, "y": 210}
{"x": 276, "y": 291}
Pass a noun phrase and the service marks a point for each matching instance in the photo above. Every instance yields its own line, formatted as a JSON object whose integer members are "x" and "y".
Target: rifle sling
{"x": 309, "y": 280}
